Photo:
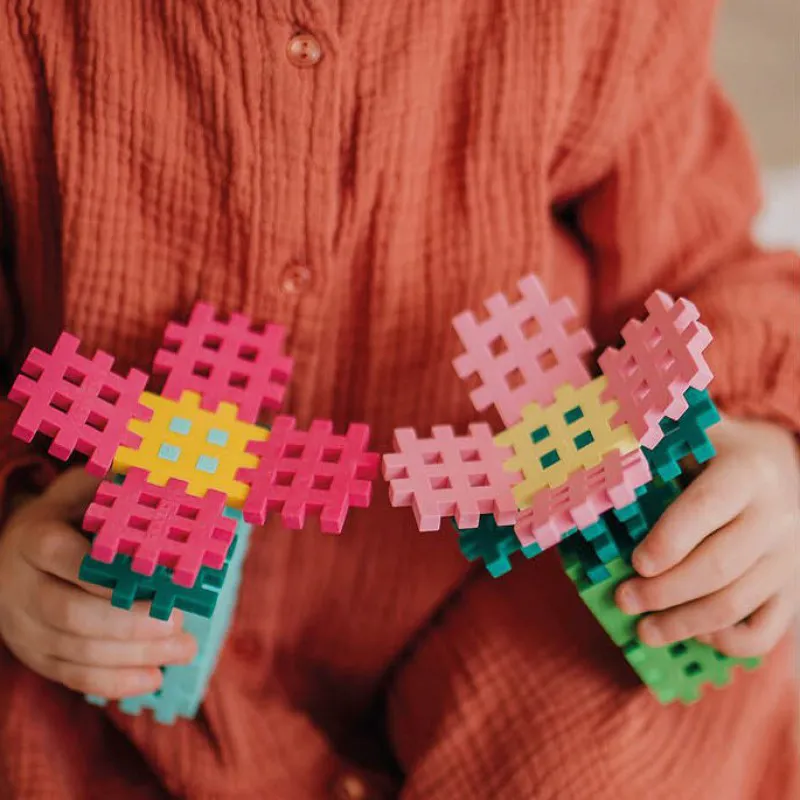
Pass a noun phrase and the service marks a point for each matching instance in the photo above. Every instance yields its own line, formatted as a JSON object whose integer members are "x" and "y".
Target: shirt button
{"x": 304, "y": 50}
{"x": 350, "y": 787}
{"x": 296, "y": 278}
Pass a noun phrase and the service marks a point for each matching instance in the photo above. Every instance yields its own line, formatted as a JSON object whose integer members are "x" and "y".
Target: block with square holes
{"x": 574, "y": 432}
{"x": 451, "y": 476}
{"x": 190, "y": 457}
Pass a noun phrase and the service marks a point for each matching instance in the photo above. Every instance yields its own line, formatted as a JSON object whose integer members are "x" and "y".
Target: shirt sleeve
{"x": 676, "y": 211}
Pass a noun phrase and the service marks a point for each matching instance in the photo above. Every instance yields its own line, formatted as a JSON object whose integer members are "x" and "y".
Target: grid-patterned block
{"x": 314, "y": 471}
{"x": 572, "y": 433}
{"x": 159, "y": 525}
{"x": 662, "y": 357}
{"x": 685, "y": 437}
{"x": 229, "y": 361}
{"x": 80, "y": 403}
{"x": 677, "y": 672}
{"x": 580, "y": 501}
{"x": 158, "y": 589}
{"x": 639, "y": 517}
{"x": 185, "y": 686}
{"x": 451, "y": 476}
{"x": 492, "y": 544}
{"x": 523, "y": 352}
{"x": 183, "y": 441}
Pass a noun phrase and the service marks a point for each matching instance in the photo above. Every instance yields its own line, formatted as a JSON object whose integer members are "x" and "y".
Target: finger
{"x": 177, "y": 649}
{"x": 71, "y": 610}
{"x": 112, "y": 683}
{"x": 760, "y": 632}
{"x": 717, "y": 562}
{"x": 71, "y": 493}
{"x": 718, "y": 496}
{"x": 719, "y": 610}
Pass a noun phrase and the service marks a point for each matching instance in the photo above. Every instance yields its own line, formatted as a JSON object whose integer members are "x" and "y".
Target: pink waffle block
{"x": 662, "y": 357}
{"x": 159, "y": 525}
{"x": 580, "y": 501}
{"x": 79, "y": 402}
{"x": 522, "y": 352}
{"x": 314, "y": 471}
{"x": 449, "y": 475}
{"x": 225, "y": 361}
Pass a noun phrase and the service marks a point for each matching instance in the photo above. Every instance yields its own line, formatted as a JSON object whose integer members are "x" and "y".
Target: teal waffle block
{"x": 684, "y": 437}
{"x": 493, "y": 544}
{"x": 184, "y": 686}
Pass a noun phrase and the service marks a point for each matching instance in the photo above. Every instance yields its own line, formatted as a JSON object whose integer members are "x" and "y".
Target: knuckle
{"x": 719, "y": 569}
{"x": 45, "y": 543}
{"x": 729, "y": 609}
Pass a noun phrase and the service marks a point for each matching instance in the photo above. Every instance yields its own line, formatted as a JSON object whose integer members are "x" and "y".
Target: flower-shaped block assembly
{"x": 183, "y": 462}
{"x": 578, "y": 454}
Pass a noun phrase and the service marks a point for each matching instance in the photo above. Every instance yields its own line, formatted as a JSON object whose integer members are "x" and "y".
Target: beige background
{"x": 758, "y": 59}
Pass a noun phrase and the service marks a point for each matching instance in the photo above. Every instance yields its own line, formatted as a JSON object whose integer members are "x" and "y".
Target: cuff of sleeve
{"x": 756, "y": 369}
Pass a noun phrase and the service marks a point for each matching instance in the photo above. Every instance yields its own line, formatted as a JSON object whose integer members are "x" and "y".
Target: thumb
{"x": 70, "y": 494}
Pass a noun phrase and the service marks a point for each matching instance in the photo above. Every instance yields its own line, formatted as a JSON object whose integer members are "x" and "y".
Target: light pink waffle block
{"x": 159, "y": 525}
{"x": 580, "y": 501}
{"x": 449, "y": 475}
{"x": 78, "y": 402}
{"x": 522, "y": 352}
{"x": 314, "y": 471}
{"x": 229, "y": 361}
{"x": 662, "y": 357}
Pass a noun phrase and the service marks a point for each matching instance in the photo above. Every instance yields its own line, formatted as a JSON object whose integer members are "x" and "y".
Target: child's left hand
{"x": 722, "y": 563}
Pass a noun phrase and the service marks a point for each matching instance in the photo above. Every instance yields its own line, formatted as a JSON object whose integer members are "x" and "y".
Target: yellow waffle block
{"x": 572, "y": 433}
{"x": 204, "y": 448}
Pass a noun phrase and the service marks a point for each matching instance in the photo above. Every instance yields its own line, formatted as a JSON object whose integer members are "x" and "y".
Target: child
{"x": 359, "y": 172}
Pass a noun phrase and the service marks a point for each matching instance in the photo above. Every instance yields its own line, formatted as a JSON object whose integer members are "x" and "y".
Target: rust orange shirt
{"x": 361, "y": 185}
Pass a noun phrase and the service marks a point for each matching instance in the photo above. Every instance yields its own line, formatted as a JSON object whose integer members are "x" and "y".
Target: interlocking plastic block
{"x": 204, "y": 448}
{"x": 685, "y": 437}
{"x": 314, "y": 471}
{"x": 522, "y": 352}
{"x": 78, "y": 402}
{"x": 159, "y": 589}
{"x": 677, "y": 672}
{"x": 600, "y": 540}
{"x": 572, "y": 433}
{"x": 225, "y": 361}
{"x": 448, "y": 475}
{"x": 185, "y": 686}
{"x": 159, "y": 525}
{"x": 662, "y": 357}
{"x": 639, "y": 517}
{"x": 493, "y": 544}
{"x": 580, "y": 501}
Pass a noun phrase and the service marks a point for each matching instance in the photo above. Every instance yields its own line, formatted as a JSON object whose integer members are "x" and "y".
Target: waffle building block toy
{"x": 587, "y": 462}
{"x": 187, "y": 473}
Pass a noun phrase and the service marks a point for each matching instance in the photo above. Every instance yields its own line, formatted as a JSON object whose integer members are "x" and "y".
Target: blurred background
{"x": 758, "y": 60}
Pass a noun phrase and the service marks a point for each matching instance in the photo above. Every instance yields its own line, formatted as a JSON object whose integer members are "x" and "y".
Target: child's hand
{"x": 66, "y": 630}
{"x": 722, "y": 563}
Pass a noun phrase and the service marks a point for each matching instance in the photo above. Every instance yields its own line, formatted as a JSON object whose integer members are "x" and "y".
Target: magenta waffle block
{"x": 159, "y": 525}
{"x": 522, "y": 352}
{"x": 225, "y": 361}
{"x": 662, "y": 357}
{"x": 80, "y": 403}
{"x": 314, "y": 471}
{"x": 449, "y": 475}
{"x": 579, "y": 502}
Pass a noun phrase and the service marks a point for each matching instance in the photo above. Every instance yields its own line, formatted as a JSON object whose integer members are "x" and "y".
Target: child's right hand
{"x": 67, "y": 630}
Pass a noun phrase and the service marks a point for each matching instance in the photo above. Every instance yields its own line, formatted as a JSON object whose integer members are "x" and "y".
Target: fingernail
{"x": 643, "y": 563}
{"x": 628, "y": 599}
{"x": 649, "y": 632}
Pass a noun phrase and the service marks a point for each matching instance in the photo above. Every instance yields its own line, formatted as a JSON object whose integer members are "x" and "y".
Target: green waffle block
{"x": 638, "y": 518}
{"x": 493, "y": 544}
{"x": 128, "y": 587}
{"x": 184, "y": 686}
{"x": 677, "y": 672}
{"x": 684, "y": 437}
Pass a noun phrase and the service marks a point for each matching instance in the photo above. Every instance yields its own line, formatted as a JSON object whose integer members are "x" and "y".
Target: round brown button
{"x": 350, "y": 787}
{"x": 295, "y": 279}
{"x": 304, "y": 50}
